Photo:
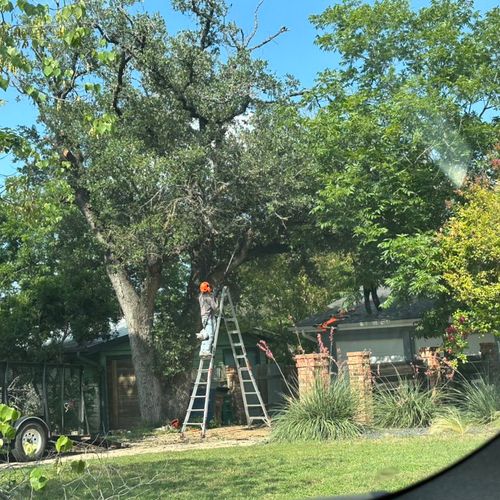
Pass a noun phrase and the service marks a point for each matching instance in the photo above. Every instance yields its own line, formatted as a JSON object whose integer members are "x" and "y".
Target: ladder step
{"x": 251, "y": 393}
{"x": 241, "y": 356}
{"x": 254, "y": 406}
{"x": 193, "y": 423}
{"x": 199, "y": 397}
{"x": 197, "y": 409}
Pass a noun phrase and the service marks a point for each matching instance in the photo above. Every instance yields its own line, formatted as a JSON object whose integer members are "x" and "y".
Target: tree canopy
{"x": 181, "y": 152}
{"x": 402, "y": 121}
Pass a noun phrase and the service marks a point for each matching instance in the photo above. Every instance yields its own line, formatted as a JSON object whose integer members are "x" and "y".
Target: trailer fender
{"x": 23, "y": 420}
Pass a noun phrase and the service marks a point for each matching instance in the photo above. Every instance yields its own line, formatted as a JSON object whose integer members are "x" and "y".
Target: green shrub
{"x": 479, "y": 400}
{"x": 326, "y": 412}
{"x": 407, "y": 405}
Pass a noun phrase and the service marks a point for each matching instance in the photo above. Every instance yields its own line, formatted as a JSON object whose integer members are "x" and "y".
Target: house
{"x": 119, "y": 402}
{"x": 388, "y": 333}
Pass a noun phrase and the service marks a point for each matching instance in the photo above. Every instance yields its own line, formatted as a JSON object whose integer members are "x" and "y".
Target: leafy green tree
{"x": 402, "y": 121}
{"x": 458, "y": 267}
{"x": 470, "y": 243}
{"x": 51, "y": 278}
{"x": 280, "y": 290}
{"x": 181, "y": 152}
{"x": 275, "y": 292}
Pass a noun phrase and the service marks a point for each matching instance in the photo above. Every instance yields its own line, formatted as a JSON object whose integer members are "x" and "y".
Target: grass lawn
{"x": 261, "y": 471}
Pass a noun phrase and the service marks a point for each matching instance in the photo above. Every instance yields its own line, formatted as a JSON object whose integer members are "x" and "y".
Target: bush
{"x": 479, "y": 400}
{"x": 326, "y": 412}
{"x": 407, "y": 405}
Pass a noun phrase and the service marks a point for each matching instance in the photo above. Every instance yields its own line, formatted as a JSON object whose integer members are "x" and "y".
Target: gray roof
{"x": 118, "y": 333}
{"x": 358, "y": 314}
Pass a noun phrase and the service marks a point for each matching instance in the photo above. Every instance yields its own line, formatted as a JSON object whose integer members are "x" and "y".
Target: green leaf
{"x": 29, "y": 448}
{"x": 12, "y": 51}
{"x": 47, "y": 70}
{"x": 78, "y": 466}
{"x": 6, "y": 6}
{"x": 38, "y": 479}
{"x": 65, "y": 12}
{"x": 4, "y": 83}
{"x": 92, "y": 87}
{"x": 78, "y": 11}
{"x": 63, "y": 444}
{"x": 8, "y": 414}
{"x": 7, "y": 431}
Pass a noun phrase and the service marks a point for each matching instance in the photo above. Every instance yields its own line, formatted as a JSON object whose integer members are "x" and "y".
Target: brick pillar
{"x": 431, "y": 360}
{"x": 360, "y": 381}
{"x": 310, "y": 367}
{"x": 489, "y": 353}
{"x": 233, "y": 384}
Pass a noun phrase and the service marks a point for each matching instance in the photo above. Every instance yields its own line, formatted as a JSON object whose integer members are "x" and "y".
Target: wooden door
{"x": 122, "y": 392}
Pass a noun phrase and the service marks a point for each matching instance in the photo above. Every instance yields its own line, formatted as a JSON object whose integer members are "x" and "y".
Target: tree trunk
{"x": 149, "y": 384}
{"x": 138, "y": 312}
{"x": 137, "y": 306}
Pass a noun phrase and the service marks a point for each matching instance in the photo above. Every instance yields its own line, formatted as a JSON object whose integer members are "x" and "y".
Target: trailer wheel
{"x": 30, "y": 442}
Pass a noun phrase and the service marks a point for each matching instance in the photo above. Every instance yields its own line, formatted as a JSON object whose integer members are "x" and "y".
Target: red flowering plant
{"x": 264, "y": 347}
{"x": 322, "y": 348}
{"x": 455, "y": 339}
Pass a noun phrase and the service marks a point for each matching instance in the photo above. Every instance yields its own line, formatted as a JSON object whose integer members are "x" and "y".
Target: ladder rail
{"x": 244, "y": 356}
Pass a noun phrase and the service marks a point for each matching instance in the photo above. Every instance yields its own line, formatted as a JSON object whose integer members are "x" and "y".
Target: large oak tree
{"x": 181, "y": 151}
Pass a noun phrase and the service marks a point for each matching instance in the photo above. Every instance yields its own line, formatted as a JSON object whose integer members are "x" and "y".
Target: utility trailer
{"x": 54, "y": 399}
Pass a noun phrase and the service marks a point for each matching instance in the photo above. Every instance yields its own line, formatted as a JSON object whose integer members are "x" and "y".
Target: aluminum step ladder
{"x": 255, "y": 409}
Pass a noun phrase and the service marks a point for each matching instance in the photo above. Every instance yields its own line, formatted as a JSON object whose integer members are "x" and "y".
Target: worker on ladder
{"x": 208, "y": 311}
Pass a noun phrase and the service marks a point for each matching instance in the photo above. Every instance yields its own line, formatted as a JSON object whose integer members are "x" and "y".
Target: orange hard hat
{"x": 205, "y": 287}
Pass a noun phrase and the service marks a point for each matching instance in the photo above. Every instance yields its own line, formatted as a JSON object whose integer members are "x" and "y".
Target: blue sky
{"x": 292, "y": 52}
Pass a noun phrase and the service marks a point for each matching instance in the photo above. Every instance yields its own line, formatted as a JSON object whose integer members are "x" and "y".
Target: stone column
{"x": 311, "y": 367}
{"x": 489, "y": 354}
{"x": 431, "y": 360}
{"x": 360, "y": 380}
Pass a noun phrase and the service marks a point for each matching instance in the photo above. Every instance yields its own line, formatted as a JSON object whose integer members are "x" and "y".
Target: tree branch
{"x": 125, "y": 291}
{"x": 255, "y": 23}
{"x": 283, "y": 29}
{"x": 207, "y": 24}
{"x": 124, "y": 59}
{"x": 239, "y": 256}
{"x": 151, "y": 283}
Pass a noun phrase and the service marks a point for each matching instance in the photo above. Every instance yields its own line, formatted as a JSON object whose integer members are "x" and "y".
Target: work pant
{"x": 209, "y": 324}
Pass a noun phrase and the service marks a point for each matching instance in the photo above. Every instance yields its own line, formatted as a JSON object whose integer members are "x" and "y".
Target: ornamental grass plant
{"x": 326, "y": 412}
{"x": 450, "y": 420}
{"x": 405, "y": 406}
{"x": 478, "y": 400}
